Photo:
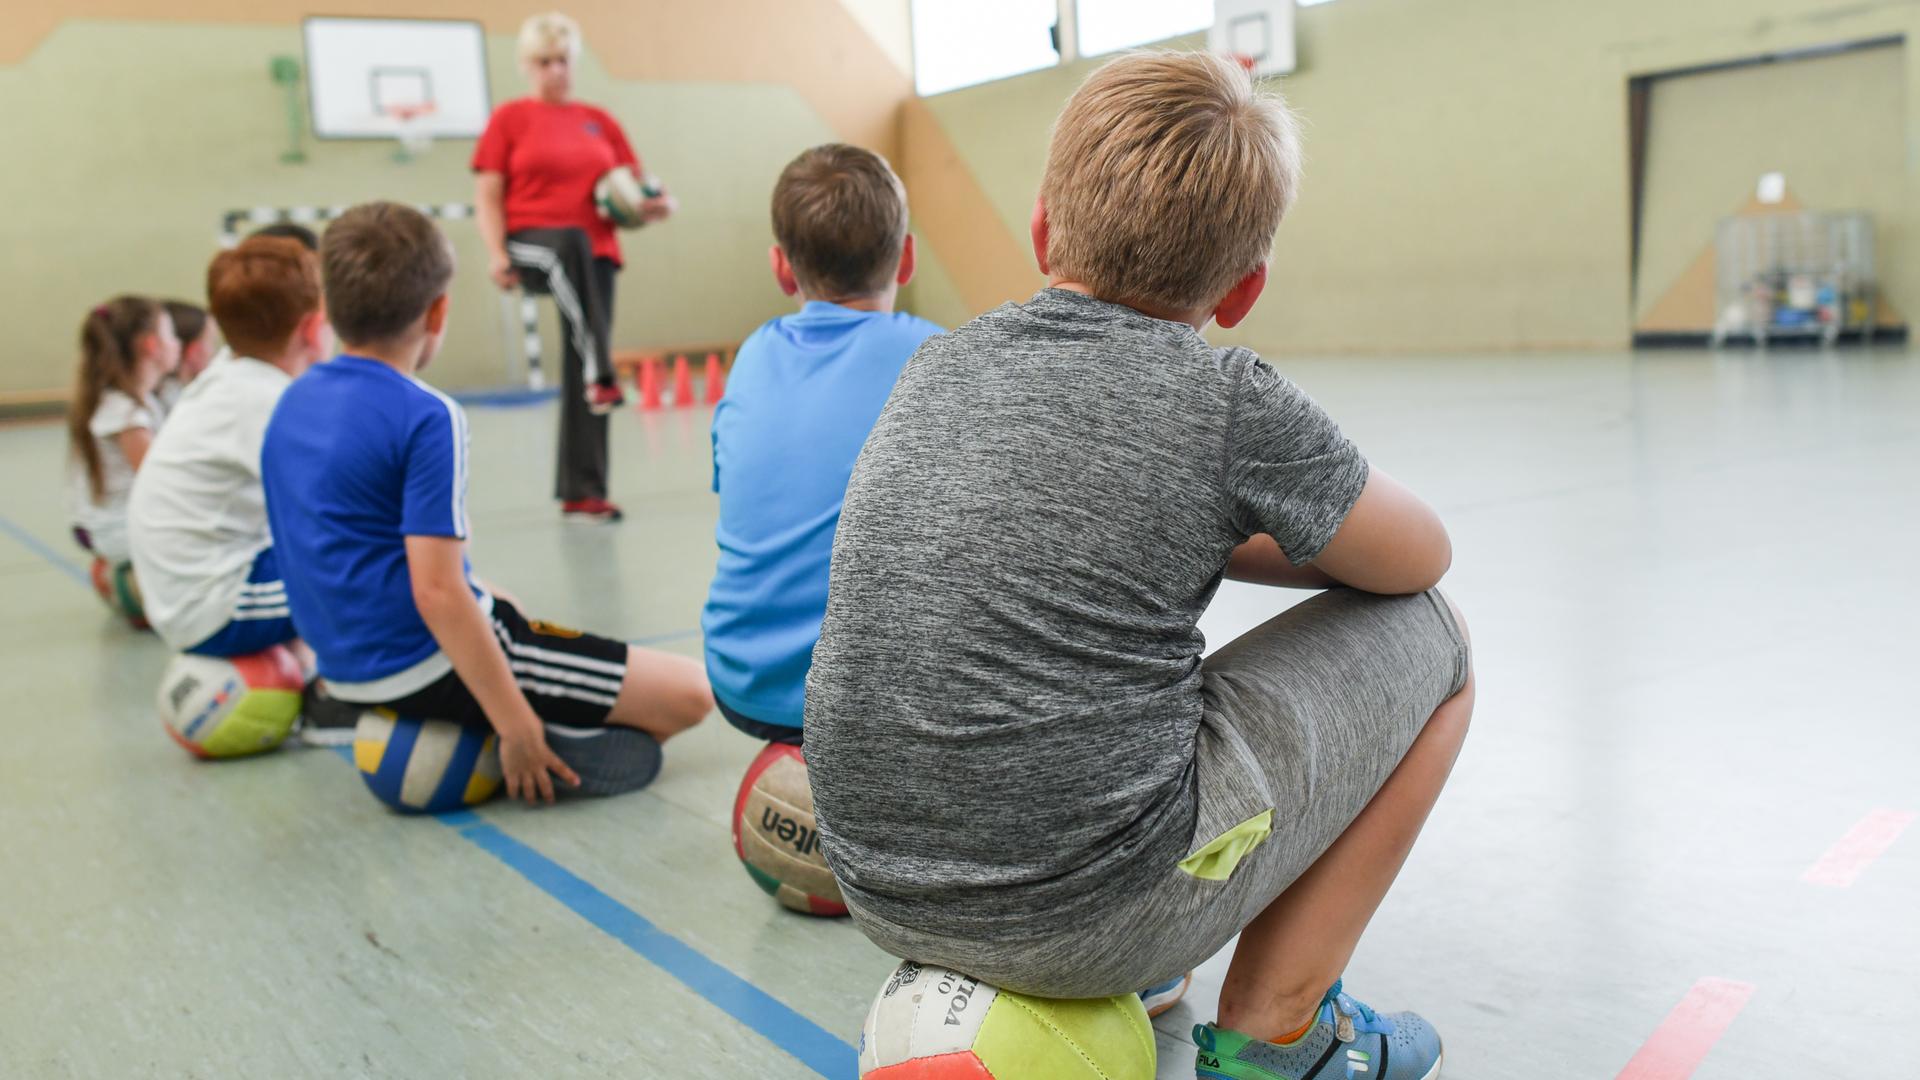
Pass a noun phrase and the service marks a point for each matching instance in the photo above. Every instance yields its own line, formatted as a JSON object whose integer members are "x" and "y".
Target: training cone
{"x": 650, "y": 384}
{"x": 682, "y": 384}
{"x": 716, "y": 379}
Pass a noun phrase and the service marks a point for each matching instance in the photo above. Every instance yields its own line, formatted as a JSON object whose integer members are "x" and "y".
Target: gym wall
{"x": 128, "y": 137}
{"x": 1446, "y": 209}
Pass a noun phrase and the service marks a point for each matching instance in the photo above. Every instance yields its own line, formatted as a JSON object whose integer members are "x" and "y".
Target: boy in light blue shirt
{"x": 804, "y": 392}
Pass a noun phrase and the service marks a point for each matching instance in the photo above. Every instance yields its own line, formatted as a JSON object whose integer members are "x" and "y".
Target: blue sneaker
{"x": 1347, "y": 1042}
{"x": 1159, "y": 999}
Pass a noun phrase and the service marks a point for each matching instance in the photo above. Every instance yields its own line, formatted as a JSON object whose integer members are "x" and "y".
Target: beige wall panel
{"x": 1466, "y": 162}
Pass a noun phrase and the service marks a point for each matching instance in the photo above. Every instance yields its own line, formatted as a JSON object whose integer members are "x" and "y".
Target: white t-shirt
{"x": 105, "y": 518}
{"x": 198, "y": 515}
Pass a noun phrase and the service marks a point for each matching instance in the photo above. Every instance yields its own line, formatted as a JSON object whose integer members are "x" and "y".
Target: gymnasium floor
{"x": 1692, "y": 584}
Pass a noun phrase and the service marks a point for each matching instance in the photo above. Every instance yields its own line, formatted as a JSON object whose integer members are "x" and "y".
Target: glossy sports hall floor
{"x": 1692, "y": 583}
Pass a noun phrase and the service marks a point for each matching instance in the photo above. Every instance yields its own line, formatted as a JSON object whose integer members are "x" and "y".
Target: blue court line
{"x": 32, "y": 543}
{"x": 508, "y": 398}
{"x": 814, "y": 1046}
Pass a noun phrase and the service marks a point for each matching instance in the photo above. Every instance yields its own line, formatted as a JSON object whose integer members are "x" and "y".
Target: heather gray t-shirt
{"x": 1001, "y": 714}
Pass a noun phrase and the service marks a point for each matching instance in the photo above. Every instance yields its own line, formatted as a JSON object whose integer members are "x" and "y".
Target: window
{"x": 961, "y": 42}
{"x": 1110, "y": 25}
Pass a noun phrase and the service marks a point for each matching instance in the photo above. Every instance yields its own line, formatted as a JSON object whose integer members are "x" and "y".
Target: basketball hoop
{"x": 415, "y": 139}
{"x": 1246, "y": 62}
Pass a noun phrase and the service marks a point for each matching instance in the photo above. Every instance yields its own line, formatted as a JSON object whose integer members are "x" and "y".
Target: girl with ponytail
{"x": 127, "y": 345}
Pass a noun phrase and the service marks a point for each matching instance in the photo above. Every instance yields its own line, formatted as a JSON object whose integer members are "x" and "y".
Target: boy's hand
{"x": 529, "y": 766}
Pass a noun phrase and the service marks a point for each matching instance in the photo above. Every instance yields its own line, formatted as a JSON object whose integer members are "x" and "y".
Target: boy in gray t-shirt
{"x": 1022, "y": 767}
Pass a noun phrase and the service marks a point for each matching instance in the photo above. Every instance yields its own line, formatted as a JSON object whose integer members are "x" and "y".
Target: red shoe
{"x": 591, "y": 511}
{"x": 603, "y": 398}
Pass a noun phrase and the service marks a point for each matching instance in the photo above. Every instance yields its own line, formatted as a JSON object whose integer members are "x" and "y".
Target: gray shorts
{"x": 1306, "y": 716}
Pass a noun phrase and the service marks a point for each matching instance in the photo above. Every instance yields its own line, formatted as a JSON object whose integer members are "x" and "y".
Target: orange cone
{"x": 716, "y": 379}
{"x": 682, "y": 383}
{"x": 650, "y": 384}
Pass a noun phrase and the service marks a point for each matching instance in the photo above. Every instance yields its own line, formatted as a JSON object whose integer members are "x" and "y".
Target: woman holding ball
{"x": 535, "y": 169}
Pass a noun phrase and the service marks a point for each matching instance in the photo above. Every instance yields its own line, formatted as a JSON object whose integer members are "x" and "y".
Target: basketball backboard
{"x": 383, "y": 78}
{"x": 1257, "y": 32}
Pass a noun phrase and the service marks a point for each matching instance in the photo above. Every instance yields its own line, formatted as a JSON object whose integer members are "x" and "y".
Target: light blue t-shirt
{"x": 357, "y": 458}
{"x": 804, "y": 392}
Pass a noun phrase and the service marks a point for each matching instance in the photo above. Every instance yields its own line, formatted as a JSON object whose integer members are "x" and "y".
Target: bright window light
{"x": 1110, "y": 25}
{"x": 961, "y": 42}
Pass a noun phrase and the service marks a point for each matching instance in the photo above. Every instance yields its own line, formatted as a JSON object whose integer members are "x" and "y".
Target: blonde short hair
{"x": 1166, "y": 179}
{"x": 552, "y": 30}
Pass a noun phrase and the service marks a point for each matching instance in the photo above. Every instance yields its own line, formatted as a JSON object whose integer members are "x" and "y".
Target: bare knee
{"x": 663, "y": 695}
{"x": 685, "y": 699}
{"x": 1459, "y": 620}
{"x": 696, "y": 701}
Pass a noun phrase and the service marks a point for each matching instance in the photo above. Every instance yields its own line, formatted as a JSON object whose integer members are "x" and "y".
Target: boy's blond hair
{"x": 1166, "y": 179}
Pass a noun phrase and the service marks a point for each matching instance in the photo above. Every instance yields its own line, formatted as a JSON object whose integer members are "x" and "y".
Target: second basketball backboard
{"x": 1257, "y": 32}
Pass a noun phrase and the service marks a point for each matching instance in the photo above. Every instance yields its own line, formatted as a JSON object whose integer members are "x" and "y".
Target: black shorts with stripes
{"x": 570, "y": 678}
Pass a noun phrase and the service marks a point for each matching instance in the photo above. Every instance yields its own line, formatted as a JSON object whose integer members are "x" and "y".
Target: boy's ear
{"x": 437, "y": 313}
{"x": 312, "y": 331}
{"x": 1038, "y": 227}
{"x": 905, "y": 274}
{"x": 1240, "y": 299}
{"x": 783, "y": 271}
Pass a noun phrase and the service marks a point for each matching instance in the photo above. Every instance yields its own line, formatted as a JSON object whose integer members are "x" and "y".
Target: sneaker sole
{"x": 589, "y": 519}
{"x": 1432, "y": 1074}
{"x": 1168, "y": 1002}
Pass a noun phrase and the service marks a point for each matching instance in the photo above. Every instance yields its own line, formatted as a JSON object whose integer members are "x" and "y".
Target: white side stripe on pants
{"x": 565, "y": 297}
{"x": 555, "y": 690}
{"x": 261, "y": 600}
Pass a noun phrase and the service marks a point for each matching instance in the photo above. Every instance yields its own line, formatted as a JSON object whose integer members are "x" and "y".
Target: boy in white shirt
{"x": 197, "y": 516}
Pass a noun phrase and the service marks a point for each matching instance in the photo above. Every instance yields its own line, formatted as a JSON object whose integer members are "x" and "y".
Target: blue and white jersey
{"x": 357, "y": 458}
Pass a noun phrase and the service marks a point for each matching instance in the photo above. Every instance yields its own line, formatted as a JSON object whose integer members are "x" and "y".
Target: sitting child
{"x": 804, "y": 392}
{"x": 1021, "y": 764}
{"x": 198, "y": 515}
{"x": 195, "y": 331}
{"x": 127, "y": 345}
{"x": 365, "y": 469}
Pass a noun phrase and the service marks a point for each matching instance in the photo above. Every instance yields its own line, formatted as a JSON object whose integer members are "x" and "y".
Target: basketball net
{"x": 413, "y": 136}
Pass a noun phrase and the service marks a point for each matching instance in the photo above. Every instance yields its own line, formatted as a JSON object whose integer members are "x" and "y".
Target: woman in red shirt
{"x": 535, "y": 169}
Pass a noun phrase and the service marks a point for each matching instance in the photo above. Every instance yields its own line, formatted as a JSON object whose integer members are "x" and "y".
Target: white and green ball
{"x": 219, "y": 707}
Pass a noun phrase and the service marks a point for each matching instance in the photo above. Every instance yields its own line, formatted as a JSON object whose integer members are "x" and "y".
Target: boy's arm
{"x": 1261, "y": 562}
{"x": 134, "y": 443}
{"x": 1391, "y": 542}
{"x": 436, "y": 565}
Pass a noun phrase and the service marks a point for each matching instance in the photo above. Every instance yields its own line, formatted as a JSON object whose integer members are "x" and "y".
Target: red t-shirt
{"x": 551, "y": 156}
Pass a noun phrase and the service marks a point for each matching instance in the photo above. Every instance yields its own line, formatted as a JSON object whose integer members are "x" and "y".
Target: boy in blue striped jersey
{"x": 365, "y": 468}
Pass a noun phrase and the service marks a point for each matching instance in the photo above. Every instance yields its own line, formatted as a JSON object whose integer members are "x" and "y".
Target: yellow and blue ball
{"x": 425, "y": 766}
